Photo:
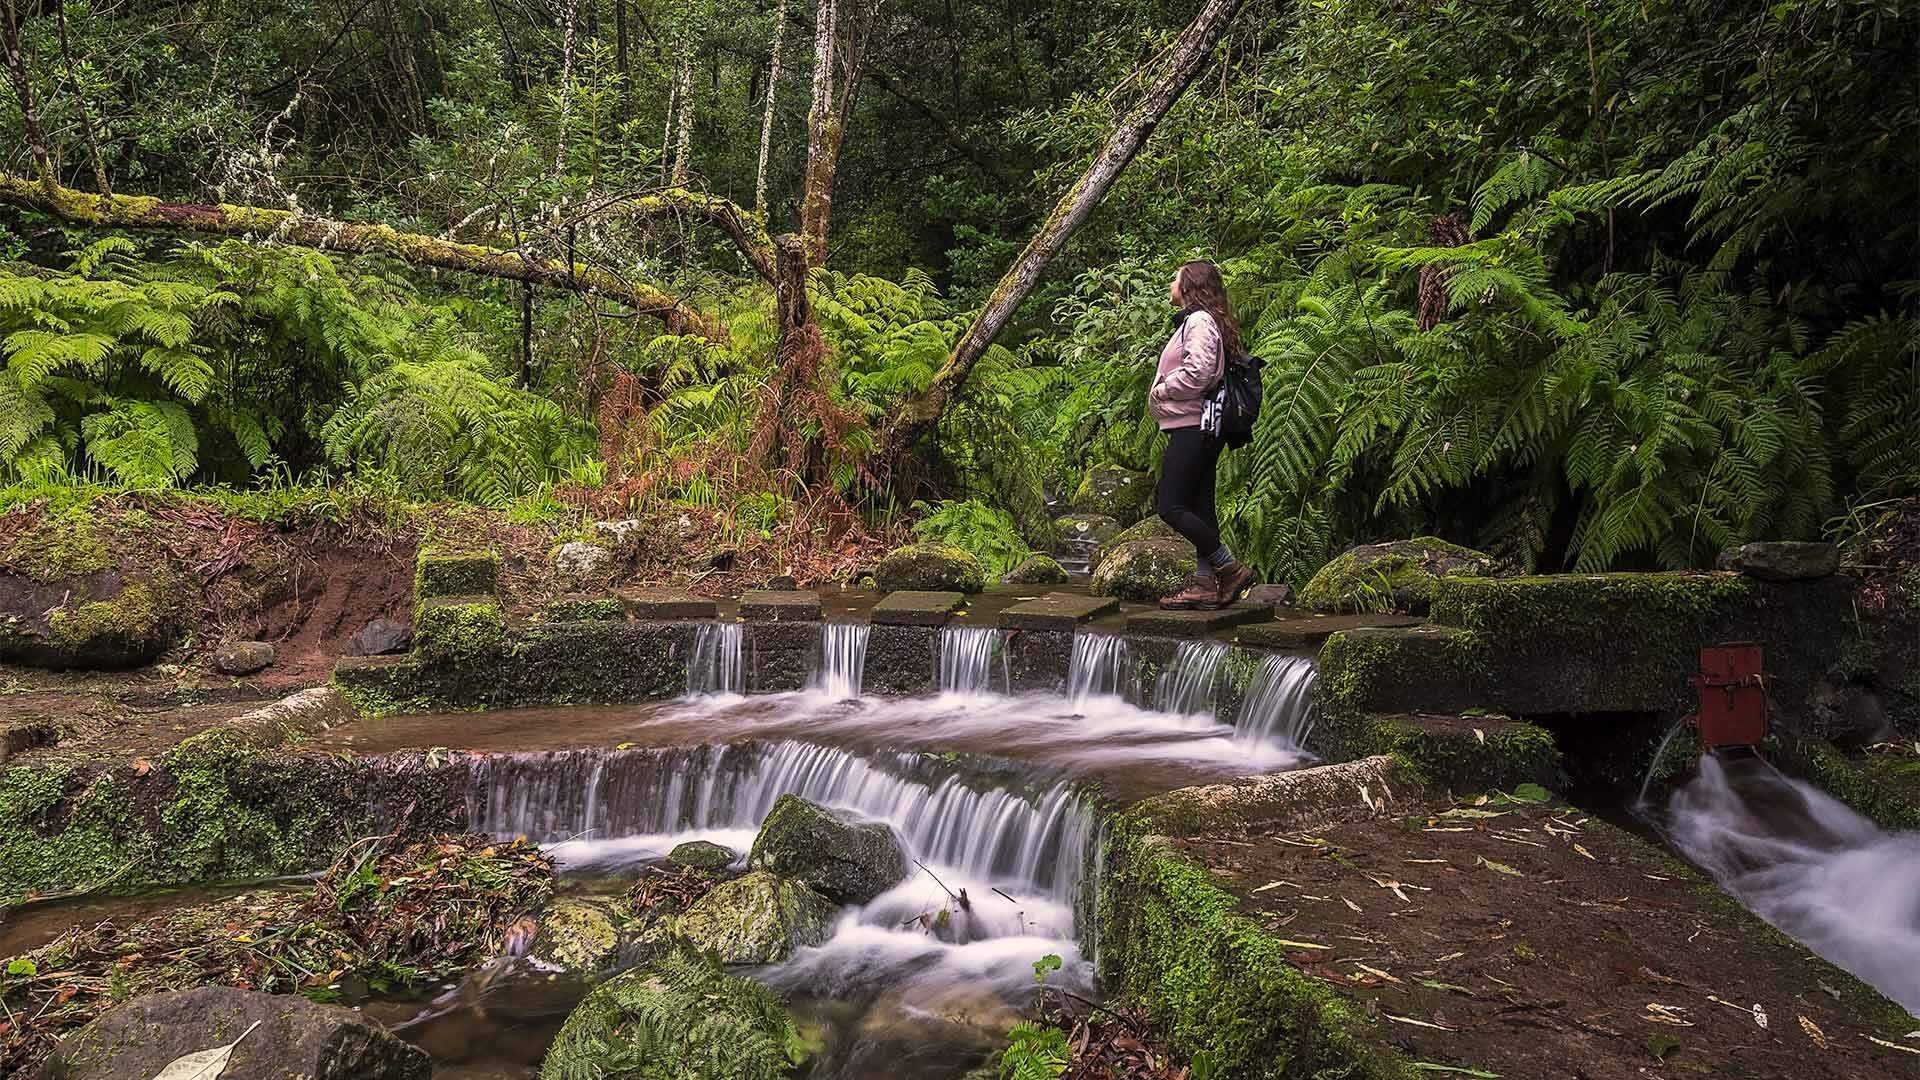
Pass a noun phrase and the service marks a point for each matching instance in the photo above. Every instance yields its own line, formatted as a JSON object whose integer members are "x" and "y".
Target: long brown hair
{"x": 1201, "y": 287}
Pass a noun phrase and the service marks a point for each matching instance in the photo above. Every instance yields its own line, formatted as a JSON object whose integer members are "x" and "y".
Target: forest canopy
{"x": 1589, "y": 285}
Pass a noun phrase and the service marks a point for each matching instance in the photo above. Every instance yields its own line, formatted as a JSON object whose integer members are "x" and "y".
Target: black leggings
{"x": 1185, "y": 497}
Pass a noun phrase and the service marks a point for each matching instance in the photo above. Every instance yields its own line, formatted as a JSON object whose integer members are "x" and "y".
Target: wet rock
{"x": 1781, "y": 560}
{"x": 1144, "y": 570}
{"x": 381, "y": 637}
{"x": 1399, "y": 575}
{"x": 1086, "y": 528}
{"x": 930, "y": 568}
{"x": 580, "y": 563}
{"x": 757, "y": 919}
{"x": 678, "y": 1017}
{"x": 295, "y": 1038}
{"x": 703, "y": 855}
{"x": 1849, "y": 715}
{"x": 848, "y": 862}
{"x": 617, "y": 532}
{"x": 783, "y": 583}
{"x": 1149, "y": 529}
{"x": 1037, "y": 570}
{"x": 98, "y": 621}
{"x": 576, "y": 935}
{"x": 242, "y": 657}
{"x": 1270, "y": 595}
{"x": 1116, "y": 492}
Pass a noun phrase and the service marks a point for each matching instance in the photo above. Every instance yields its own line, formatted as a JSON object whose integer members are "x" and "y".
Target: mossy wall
{"x": 1214, "y": 980}
{"x": 447, "y": 573}
{"x": 1450, "y": 755}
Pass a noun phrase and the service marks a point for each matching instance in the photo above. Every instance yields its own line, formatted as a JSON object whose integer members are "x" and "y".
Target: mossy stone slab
{"x": 914, "y": 608}
{"x": 1188, "y": 624}
{"x": 658, "y": 605}
{"x": 1057, "y": 611}
{"x": 1302, "y": 633}
{"x": 446, "y": 573}
{"x": 780, "y": 605}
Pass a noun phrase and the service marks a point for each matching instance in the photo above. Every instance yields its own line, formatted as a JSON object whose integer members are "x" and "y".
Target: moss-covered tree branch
{"x": 222, "y": 219}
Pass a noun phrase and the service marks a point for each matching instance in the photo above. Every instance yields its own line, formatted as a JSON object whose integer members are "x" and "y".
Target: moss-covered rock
{"x": 102, "y": 621}
{"x": 458, "y": 630}
{"x": 584, "y": 607}
{"x": 845, "y": 861}
{"x": 1150, "y": 529}
{"x": 703, "y": 855}
{"x": 1144, "y": 570}
{"x": 1459, "y": 753}
{"x": 577, "y": 935}
{"x": 1117, "y": 492}
{"x": 1080, "y": 530}
{"x": 677, "y": 1018}
{"x": 757, "y": 919}
{"x": 446, "y": 573}
{"x": 1037, "y": 570}
{"x": 1400, "y": 575}
{"x": 930, "y": 568}
{"x": 1783, "y": 560}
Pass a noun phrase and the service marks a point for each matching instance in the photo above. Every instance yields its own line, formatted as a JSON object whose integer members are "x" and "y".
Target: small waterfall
{"x": 843, "y": 659}
{"x": 713, "y": 667}
{"x": 967, "y": 654}
{"x": 1186, "y": 684}
{"x": 1102, "y": 666}
{"x": 1039, "y": 838}
{"x": 1279, "y": 704}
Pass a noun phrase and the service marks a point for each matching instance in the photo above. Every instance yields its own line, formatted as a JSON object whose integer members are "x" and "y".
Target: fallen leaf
{"x": 1351, "y": 904}
{"x": 1500, "y": 868}
{"x": 1813, "y": 1032}
{"x": 1477, "y": 1074}
{"x": 203, "y": 1064}
{"x": 1893, "y": 1046}
{"x": 1302, "y": 944}
{"x": 1584, "y": 852}
{"x": 1416, "y": 1023}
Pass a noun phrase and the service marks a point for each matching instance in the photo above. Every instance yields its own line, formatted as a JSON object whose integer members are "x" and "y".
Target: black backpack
{"x": 1234, "y": 404}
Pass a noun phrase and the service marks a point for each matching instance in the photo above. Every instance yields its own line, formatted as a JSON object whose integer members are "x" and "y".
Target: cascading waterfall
{"x": 967, "y": 655}
{"x": 1034, "y": 839}
{"x": 1186, "y": 684}
{"x": 1102, "y": 666}
{"x": 843, "y": 659}
{"x": 714, "y": 667}
{"x": 1279, "y": 705}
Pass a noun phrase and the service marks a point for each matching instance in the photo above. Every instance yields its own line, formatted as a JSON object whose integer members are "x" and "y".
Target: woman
{"x": 1192, "y": 362}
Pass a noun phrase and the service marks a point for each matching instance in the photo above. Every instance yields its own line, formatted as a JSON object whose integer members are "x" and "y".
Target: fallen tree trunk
{"x": 1189, "y": 54}
{"x": 416, "y": 249}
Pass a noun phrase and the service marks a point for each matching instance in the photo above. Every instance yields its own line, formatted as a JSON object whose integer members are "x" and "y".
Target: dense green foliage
{"x": 1597, "y": 284}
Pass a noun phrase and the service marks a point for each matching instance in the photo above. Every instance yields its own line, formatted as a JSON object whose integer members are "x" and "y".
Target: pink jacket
{"x": 1189, "y": 366}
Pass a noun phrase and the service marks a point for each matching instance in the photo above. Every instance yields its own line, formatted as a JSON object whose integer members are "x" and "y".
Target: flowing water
{"x": 714, "y": 667}
{"x": 843, "y": 659}
{"x": 1799, "y": 859}
{"x": 1186, "y": 685}
{"x": 1279, "y": 705}
{"x": 967, "y": 660}
{"x": 1102, "y": 665}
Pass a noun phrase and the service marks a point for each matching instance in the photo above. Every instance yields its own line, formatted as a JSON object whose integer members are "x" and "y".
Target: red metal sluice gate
{"x": 1733, "y": 697}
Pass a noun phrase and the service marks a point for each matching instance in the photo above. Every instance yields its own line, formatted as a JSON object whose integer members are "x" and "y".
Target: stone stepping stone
{"x": 1297, "y": 633}
{"x": 651, "y": 605}
{"x": 780, "y": 605}
{"x": 910, "y": 608}
{"x": 1057, "y": 611}
{"x": 1196, "y": 623}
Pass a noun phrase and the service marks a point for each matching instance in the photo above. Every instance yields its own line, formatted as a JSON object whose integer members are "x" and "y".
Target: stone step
{"x": 1057, "y": 611}
{"x": 913, "y": 608}
{"x": 1196, "y": 623}
{"x": 1298, "y": 633}
{"x": 655, "y": 605}
{"x": 780, "y": 605}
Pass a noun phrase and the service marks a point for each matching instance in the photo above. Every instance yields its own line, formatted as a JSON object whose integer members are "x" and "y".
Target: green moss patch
{"x": 1458, "y": 753}
{"x": 443, "y": 573}
{"x": 1400, "y": 575}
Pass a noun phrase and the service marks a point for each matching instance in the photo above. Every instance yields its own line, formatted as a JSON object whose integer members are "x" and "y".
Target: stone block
{"x": 446, "y": 573}
{"x": 1057, "y": 611}
{"x": 1308, "y": 632}
{"x": 780, "y": 605}
{"x": 1191, "y": 624}
{"x": 666, "y": 604}
{"x": 913, "y": 608}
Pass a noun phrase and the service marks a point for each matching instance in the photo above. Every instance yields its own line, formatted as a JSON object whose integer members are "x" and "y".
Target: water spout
{"x": 967, "y": 655}
{"x": 1186, "y": 684}
{"x": 1279, "y": 706}
{"x": 1102, "y": 666}
{"x": 714, "y": 667}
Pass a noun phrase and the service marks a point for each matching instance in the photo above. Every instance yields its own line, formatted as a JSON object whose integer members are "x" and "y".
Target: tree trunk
{"x": 621, "y": 56}
{"x": 683, "y": 150}
{"x": 100, "y": 180}
{"x": 823, "y": 138}
{"x": 23, "y": 89}
{"x": 766, "y": 115}
{"x": 1190, "y": 53}
{"x": 133, "y": 212}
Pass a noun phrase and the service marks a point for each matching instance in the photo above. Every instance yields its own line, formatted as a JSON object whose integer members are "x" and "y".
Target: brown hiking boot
{"x": 1234, "y": 579}
{"x": 1199, "y": 594}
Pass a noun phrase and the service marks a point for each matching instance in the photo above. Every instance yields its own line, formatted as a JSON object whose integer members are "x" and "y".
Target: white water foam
{"x": 1801, "y": 860}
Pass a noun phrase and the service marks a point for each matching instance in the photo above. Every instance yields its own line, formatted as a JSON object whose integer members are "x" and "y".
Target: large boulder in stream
{"x": 703, "y": 855}
{"x": 757, "y": 919}
{"x": 279, "y": 1036}
{"x": 679, "y": 1017}
{"x": 930, "y": 568}
{"x": 577, "y": 934}
{"x": 846, "y": 861}
{"x": 1398, "y": 576}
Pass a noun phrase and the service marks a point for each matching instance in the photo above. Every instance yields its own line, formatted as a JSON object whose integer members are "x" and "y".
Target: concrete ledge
{"x": 911, "y": 608}
{"x": 1197, "y": 623}
{"x": 584, "y": 607}
{"x": 1456, "y": 753}
{"x": 1302, "y": 799}
{"x": 445, "y": 573}
{"x": 663, "y": 604}
{"x": 1057, "y": 611}
{"x": 1301, "y": 633}
{"x": 780, "y": 605}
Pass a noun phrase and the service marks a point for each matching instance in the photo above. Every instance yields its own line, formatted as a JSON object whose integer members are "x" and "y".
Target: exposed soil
{"x": 1533, "y": 942}
{"x": 81, "y": 726}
